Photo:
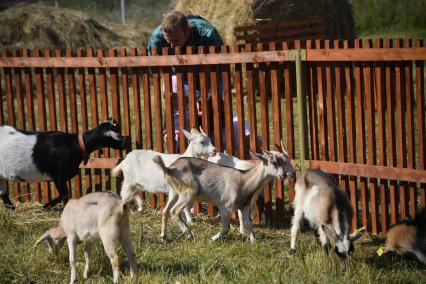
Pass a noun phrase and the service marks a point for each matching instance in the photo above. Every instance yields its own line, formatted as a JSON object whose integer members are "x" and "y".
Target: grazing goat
{"x": 327, "y": 209}
{"x": 98, "y": 215}
{"x": 50, "y": 156}
{"x": 228, "y": 188}
{"x": 408, "y": 237}
{"x": 141, "y": 174}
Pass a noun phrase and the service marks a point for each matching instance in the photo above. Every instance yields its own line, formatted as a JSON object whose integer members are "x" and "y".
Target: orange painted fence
{"x": 365, "y": 112}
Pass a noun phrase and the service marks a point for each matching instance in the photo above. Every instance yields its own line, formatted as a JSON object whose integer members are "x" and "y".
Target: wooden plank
{"x": 277, "y": 136}
{"x": 410, "y": 143}
{"x": 217, "y": 104}
{"x": 360, "y": 134}
{"x": 42, "y": 124}
{"x": 2, "y": 120}
{"x": 372, "y": 54}
{"x": 322, "y": 110}
{"x": 193, "y": 113}
{"x": 264, "y": 114}
{"x": 289, "y": 91}
{"x": 312, "y": 93}
{"x": 94, "y": 116}
{"x": 379, "y": 73}
{"x": 401, "y": 133}
{"x": 182, "y": 101}
{"x": 227, "y": 104}
{"x": 251, "y": 102}
{"x": 169, "y": 106}
{"x": 101, "y": 82}
{"x": 51, "y": 97}
{"x": 146, "y": 88}
{"x": 84, "y": 118}
{"x": 371, "y": 171}
{"x": 341, "y": 116}
{"x": 331, "y": 115}
{"x": 134, "y": 73}
{"x": 30, "y": 115}
{"x": 390, "y": 129}
{"x": 371, "y": 140}
{"x": 140, "y": 61}
{"x": 126, "y": 99}
{"x": 238, "y": 81}
{"x": 74, "y": 119}
{"x": 101, "y": 163}
{"x": 420, "y": 119}
{"x": 351, "y": 129}
{"x": 60, "y": 84}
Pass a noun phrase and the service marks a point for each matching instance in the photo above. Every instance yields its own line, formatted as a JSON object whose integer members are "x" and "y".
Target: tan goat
{"x": 98, "y": 215}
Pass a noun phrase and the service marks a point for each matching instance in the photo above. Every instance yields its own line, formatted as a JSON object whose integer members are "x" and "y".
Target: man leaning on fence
{"x": 178, "y": 29}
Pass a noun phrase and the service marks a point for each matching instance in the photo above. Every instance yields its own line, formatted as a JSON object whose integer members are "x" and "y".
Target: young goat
{"x": 141, "y": 174}
{"x": 50, "y": 156}
{"x": 327, "y": 209}
{"x": 408, "y": 237}
{"x": 98, "y": 215}
{"x": 228, "y": 188}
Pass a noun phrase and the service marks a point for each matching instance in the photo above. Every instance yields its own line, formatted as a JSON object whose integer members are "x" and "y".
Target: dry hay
{"x": 226, "y": 14}
{"x": 38, "y": 26}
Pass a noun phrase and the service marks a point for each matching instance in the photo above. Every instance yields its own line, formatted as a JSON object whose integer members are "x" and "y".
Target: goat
{"x": 97, "y": 215}
{"x": 140, "y": 174}
{"x": 50, "y": 156}
{"x": 224, "y": 159}
{"x": 327, "y": 209}
{"x": 407, "y": 237}
{"x": 227, "y": 188}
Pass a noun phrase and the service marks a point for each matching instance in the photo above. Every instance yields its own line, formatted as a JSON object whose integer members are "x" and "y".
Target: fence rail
{"x": 365, "y": 112}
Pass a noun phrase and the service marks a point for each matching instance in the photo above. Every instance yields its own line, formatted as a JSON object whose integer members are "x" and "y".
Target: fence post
{"x": 301, "y": 103}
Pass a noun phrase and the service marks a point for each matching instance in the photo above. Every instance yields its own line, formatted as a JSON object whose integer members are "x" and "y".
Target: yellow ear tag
{"x": 380, "y": 251}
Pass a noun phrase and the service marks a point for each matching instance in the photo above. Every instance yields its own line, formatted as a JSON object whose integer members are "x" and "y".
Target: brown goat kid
{"x": 408, "y": 237}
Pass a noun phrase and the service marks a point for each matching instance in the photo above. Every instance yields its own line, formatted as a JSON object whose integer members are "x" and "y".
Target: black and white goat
{"x": 320, "y": 200}
{"x": 50, "y": 156}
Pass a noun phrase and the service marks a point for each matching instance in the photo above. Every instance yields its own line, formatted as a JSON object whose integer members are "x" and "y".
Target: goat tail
{"x": 45, "y": 236}
{"x": 160, "y": 163}
{"x": 115, "y": 172}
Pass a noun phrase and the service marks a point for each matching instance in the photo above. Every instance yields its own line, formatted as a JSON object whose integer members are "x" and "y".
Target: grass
{"x": 232, "y": 260}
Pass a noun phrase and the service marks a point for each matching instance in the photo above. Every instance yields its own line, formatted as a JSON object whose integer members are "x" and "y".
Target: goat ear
{"x": 194, "y": 131}
{"x": 357, "y": 234}
{"x": 187, "y": 134}
{"x": 329, "y": 232}
{"x": 258, "y": 157}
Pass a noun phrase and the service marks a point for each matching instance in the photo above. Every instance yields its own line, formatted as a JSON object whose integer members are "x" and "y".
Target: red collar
{"x": 83, "y": 148}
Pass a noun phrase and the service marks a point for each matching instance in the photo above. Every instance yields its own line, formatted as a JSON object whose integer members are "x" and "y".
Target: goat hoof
{"x": 10, "y": 206}
{"x": 292, "y": 252}
{"x": 163, "y": 240}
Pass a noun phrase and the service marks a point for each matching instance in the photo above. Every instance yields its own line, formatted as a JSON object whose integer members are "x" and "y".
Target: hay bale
{"x": 225, "y": 15}
{"x": 38, "y": 26}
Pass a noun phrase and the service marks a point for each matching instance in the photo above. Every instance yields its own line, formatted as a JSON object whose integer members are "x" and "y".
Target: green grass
{"x": 232, "y": 260}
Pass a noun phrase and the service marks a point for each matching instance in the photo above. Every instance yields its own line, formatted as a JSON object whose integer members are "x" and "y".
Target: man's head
{"x": 176, "y": 28}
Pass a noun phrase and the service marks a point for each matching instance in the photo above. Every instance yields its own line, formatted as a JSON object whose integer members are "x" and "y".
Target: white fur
{"x": 16, "y": 161}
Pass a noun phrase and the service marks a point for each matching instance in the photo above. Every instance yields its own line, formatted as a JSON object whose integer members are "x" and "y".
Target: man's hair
{"x": 173, "y": 20}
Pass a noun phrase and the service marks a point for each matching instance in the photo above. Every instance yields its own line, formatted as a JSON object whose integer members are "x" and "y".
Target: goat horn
{"x": 202, "y": 131}
{"x": 283, "y": 148}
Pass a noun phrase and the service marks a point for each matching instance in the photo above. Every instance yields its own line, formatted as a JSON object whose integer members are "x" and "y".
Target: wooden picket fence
{"x": 365, "y": 112}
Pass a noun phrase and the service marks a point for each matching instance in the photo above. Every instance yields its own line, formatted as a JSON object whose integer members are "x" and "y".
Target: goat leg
{"x": 61, "y": 185}
{"x": 6, "y": 201}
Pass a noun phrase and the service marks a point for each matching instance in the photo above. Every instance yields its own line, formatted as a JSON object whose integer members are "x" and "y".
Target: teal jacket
{"x": 203, "y": 34}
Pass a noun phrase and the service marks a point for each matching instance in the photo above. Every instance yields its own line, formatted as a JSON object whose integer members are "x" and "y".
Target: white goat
{"x": 98, "y": 215}
{"x": 141, "y": 174}
{"x": 228, "y": 188}
{"x": 327, "y": 208}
